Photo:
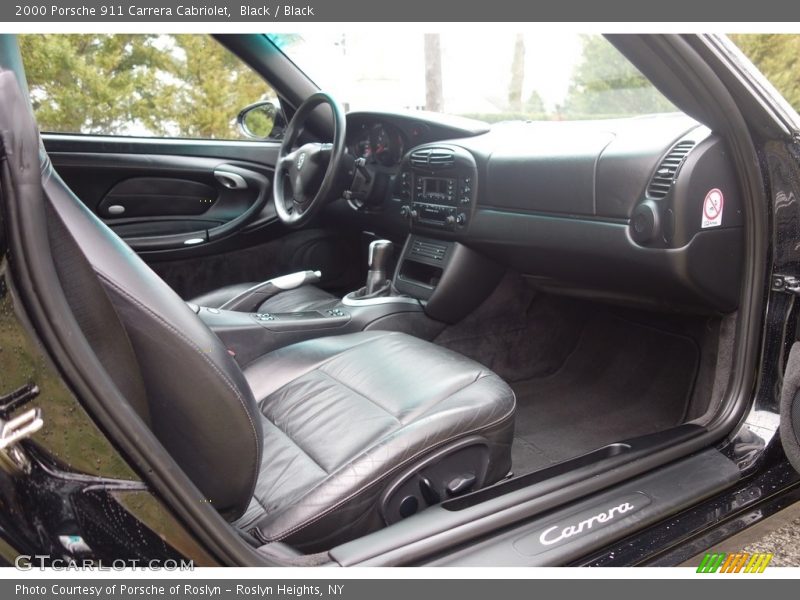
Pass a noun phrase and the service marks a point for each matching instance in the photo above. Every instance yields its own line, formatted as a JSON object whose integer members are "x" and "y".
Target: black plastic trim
{"x": 72, "y": 143}
{"x": 437, "y": 528}
{"x": 645, "y": 443}
{"x": 702, "y": 526}
{"x": 602, "y": 255}
{"x": 570, "y": 532}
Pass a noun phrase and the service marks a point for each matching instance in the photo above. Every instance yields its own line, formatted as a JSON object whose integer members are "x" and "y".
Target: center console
{"x": 434, "y": 283}
{"x": 451, "y": 278}
{"x": 249, "y": 335}
{"x": 437, "y": 188}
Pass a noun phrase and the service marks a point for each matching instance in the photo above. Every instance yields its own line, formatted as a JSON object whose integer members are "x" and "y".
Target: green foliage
{"x": 213, "y": 85}
{"x": 260, "y": 121}
{"x": 182, "y": 86}
{"x": 777, "y": 56}
{"x": 605, "y": 83}
{"x": 93, "y": 83}
{"x": 534, "y": 104}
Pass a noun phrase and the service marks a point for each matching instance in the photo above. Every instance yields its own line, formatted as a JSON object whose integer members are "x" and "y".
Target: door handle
{"x": 230, "y": 180}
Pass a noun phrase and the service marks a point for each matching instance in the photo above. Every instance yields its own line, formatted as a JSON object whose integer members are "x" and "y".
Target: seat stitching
{"x": 205, "y": 357}
{"x": 288, "y": 435}
{"x": 322, "y": 363}
{"x": 356, "y": 392}
{"x": 291, "y": 439}
{"x": 458, "y": 391}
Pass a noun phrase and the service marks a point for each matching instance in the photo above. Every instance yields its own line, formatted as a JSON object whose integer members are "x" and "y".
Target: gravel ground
{"x": 779, "y": 534}
{"x": 784, "y": 543}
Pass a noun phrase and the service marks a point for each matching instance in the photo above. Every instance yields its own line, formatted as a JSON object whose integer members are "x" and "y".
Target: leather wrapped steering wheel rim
{"x": 311, "y": 170}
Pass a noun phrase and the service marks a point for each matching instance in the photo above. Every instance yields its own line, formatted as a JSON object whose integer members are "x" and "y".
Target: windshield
{"x": 499, "y": 77}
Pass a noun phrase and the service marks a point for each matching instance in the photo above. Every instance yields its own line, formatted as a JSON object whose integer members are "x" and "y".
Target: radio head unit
{"x": 442, "y": 202}
{"x": 437, "y": 187}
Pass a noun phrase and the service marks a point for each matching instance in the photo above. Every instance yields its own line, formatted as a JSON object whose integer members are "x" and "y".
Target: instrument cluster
{"x": 377, "y": 143}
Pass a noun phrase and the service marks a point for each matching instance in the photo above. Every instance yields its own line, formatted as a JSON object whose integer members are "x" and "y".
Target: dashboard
{"x": 630, "y": 210}
{"x": 383, "y": 139}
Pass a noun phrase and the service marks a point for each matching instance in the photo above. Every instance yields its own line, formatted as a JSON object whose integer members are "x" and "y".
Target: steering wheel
{"x": 310, "y": 170}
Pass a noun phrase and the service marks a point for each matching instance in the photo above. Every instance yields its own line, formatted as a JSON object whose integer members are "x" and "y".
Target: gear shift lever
{"x": 379, "y": 253}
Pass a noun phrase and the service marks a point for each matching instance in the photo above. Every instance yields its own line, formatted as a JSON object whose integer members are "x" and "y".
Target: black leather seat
{"x": 307, "y": 297}
{"x": 301, "y": 445}
{"x": 343, "y": 415}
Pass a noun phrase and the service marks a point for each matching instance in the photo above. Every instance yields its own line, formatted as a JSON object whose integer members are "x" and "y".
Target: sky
{"x": 385, "y": 68}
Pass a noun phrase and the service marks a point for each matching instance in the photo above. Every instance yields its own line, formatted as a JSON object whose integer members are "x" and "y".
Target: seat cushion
{"x": 343, "y": 415}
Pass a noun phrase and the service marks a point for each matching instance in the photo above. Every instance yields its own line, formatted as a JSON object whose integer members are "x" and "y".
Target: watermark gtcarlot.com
{"x": 41, "y": 562}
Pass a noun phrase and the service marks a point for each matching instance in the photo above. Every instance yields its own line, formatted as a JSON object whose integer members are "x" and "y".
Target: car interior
{"x": 384, "y": 312}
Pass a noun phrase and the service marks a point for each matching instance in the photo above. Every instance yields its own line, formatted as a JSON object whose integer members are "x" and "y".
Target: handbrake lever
{"x": 250, "y": 299}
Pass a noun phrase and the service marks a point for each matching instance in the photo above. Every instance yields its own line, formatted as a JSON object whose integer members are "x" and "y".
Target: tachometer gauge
{"x": 387, "y": 146}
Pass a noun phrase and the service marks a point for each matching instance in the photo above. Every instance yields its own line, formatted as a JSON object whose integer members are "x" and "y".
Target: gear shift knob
{"x": 380, "y": 251}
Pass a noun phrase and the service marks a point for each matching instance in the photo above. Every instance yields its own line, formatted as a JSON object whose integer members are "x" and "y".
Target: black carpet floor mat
{"x": 518, "y": 333}
{"x": 621, "y": 380}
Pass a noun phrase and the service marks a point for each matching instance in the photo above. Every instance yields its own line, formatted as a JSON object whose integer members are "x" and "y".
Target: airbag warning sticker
{"x": 712, "y": 209}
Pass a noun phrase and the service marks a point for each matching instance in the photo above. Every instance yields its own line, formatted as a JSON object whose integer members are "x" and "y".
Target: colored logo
{"x": 740, "y": 562}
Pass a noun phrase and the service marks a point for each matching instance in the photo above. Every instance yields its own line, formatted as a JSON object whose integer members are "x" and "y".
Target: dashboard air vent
{"x": 665, "y": 174}
{"x": 433, "y": 158}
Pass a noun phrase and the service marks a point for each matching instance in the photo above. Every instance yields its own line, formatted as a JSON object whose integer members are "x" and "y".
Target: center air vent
{"x": 433, "y": 158}
{"x": 665, "y": 174}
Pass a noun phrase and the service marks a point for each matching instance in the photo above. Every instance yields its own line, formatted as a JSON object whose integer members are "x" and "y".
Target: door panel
{"x": 168, "y": 201}
{"x": 157, "y": 194}
{"x": 157, "y": 197}
{"x": 177, "y": 190}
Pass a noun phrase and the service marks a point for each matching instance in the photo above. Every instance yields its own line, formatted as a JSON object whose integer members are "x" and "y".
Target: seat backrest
{"x": 171, "y": 367}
